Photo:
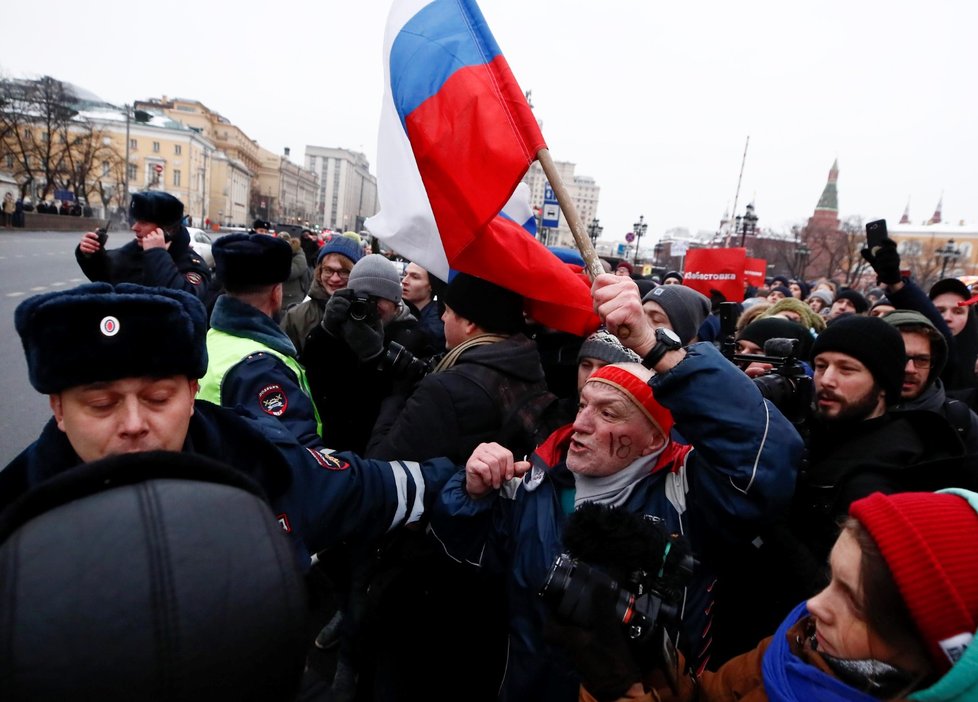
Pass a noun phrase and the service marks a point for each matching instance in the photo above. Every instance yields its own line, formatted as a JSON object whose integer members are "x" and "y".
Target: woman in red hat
{"x": 895, "y": 622}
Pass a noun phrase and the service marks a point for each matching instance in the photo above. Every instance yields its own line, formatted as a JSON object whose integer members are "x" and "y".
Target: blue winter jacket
{"x": 740, "y": 473}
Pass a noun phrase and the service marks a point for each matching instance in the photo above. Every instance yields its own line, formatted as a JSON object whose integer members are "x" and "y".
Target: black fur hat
{"x": 162, "y": 209}
{"x": 245, "y": 260}
{"x": 96, "y": 333}
{"x": 493, "y": 308}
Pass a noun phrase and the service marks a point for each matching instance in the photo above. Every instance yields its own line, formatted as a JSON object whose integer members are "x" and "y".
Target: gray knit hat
{"x": 685, "y": 308}
{"x": 605, "y": 346}
{"x": 375, "y": 275}
{"x": 823, "y": 295}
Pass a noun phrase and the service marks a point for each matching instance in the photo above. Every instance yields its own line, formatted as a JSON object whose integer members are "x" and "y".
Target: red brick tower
{"x": 823, "y": 234}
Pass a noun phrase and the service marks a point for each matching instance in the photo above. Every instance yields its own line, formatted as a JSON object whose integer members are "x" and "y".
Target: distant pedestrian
{"x": 8, "y": 210}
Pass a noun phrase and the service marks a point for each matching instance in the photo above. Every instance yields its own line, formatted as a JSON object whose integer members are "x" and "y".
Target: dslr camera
{"x": 362, "y": 307}
{"x": 631, "y": 556}
{"x": 402, "y": 363}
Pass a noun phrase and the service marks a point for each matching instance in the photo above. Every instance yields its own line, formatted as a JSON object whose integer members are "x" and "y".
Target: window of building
{"x": 156, "y": 147}
{"x": 10, "y": 160}
{"x": 176, "y": 178}
{"x": 105, "y": 168}
{"x": 132, "y": 144}
{"x": 131, "y": 172}
{"x": 27, "y": 133}
{"x": 177, "y": 149}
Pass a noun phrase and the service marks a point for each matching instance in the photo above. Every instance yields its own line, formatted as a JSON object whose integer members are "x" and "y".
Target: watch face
{"x": 668, "y": 336}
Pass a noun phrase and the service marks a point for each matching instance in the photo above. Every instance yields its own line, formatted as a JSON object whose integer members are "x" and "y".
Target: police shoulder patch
{"x": 283, "y": 521}
{"x": 193, "y": 277}
{"x": 327, "y": 460}
{"x": 273, "y": 400}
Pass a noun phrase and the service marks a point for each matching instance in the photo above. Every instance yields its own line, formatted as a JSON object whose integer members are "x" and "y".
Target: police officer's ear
{"x": 57, "y": 409}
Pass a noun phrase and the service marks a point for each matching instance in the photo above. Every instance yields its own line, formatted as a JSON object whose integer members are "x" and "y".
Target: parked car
{"x": 201, "y": 243}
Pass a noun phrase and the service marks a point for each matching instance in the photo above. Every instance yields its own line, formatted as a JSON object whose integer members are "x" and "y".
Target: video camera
{"x": 787, "y": 384}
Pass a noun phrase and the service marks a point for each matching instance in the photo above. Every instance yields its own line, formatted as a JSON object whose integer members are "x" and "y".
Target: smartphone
{"x": 875, "y": 234}
{"x": 103, "y": 236}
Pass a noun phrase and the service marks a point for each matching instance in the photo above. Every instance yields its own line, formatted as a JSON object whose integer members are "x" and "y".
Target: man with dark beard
{"x": 856, "y": 445}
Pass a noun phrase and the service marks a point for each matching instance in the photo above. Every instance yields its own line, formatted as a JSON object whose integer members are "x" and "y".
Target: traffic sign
{"x": 158, "y": 168}
{"x": 551, "y": 215}
{"x": 551, "y": 210}
{"x": 630, "y": 237}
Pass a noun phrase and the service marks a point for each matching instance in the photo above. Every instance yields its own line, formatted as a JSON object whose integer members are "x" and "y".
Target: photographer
{"x": 738, "y": 472}
{"x": 361, "y": 351}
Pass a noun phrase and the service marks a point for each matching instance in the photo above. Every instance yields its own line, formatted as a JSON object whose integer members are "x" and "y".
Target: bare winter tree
{"x": 34, "y": 114}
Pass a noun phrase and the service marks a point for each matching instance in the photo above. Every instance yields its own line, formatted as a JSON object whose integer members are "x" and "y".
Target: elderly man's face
{"x": 126, "y": 416}
{"x": 610, "y": 432}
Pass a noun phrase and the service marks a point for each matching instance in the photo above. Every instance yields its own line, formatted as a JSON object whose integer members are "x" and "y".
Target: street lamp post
{"x": 639, "y": 228}
{"x": 594, "y": 230}
{"x": 802, "y": 252}
{"x": 746, "y": 224}
{"x": 947, "y": 253}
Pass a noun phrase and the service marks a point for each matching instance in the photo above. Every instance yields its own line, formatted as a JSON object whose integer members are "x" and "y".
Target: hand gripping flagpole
{"x": 584, "y": 245}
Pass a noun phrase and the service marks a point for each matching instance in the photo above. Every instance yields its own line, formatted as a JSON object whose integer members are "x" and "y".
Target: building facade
{"x": 584, "y": 192}
{"x": 347, "y": 191}
{"x": 285, "y": 192}
{"x": 230, "y": 189}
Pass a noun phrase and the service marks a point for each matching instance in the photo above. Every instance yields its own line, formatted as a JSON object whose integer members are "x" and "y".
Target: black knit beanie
{"x": 872, "y": 342}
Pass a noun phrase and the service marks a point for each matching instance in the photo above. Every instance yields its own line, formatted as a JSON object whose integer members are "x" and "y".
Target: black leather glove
{"x": 600, "y": 651}
{"x": 337, "y": 311}
{"x": 886, "y": 262}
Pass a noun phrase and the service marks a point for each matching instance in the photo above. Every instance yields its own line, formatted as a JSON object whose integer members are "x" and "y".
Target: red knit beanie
{"x": 636, "y": 390}
{"x": 930, "y": 543}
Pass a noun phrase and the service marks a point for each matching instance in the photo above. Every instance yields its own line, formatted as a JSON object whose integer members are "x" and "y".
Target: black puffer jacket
{"x": 476, "y": 400}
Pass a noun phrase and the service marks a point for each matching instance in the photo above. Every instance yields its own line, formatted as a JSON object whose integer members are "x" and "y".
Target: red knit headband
{"x": 639, "y": 392}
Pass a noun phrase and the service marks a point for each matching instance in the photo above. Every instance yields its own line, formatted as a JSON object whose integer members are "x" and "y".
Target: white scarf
{"x": 613, "y": 490}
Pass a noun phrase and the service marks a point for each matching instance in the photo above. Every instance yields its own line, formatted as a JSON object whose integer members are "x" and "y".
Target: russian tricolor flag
{"x": 456, "y": 137}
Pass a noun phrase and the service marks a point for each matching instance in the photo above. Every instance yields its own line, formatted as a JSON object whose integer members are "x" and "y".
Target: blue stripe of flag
{"x": 440, "y": 39}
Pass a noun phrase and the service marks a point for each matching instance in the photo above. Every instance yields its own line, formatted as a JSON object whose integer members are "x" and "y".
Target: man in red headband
{"x": 737, "y": 469}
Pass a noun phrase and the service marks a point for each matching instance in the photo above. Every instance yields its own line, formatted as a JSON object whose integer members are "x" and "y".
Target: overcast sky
{"x": 653, "y": 100}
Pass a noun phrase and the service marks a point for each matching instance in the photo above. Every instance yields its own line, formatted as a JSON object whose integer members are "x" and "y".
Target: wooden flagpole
{"x": 584, "y": 244}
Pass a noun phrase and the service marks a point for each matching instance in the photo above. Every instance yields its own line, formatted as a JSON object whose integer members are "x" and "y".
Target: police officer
{"x": 159, "y": 256}
{"x": 120, "y": 367}
{"x": 252, "y": 362}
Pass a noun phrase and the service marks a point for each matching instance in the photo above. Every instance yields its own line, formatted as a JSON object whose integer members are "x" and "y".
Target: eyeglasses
{"x": 341, "y": 272}
{"x": 921, "y": 362}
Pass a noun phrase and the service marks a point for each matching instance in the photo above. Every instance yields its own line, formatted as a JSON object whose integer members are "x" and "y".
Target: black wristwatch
{"x": 665, "y": 341}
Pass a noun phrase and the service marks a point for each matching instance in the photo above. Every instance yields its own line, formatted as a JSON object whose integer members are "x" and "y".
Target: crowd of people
{"x": 702, "y": 500}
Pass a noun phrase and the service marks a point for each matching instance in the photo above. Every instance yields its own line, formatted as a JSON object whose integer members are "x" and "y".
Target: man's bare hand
{"x": 619, "y": 305}
{"x": 89, "y": 243}
{"x": 155, "y": 240}
{"x": 489, "y": 466}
